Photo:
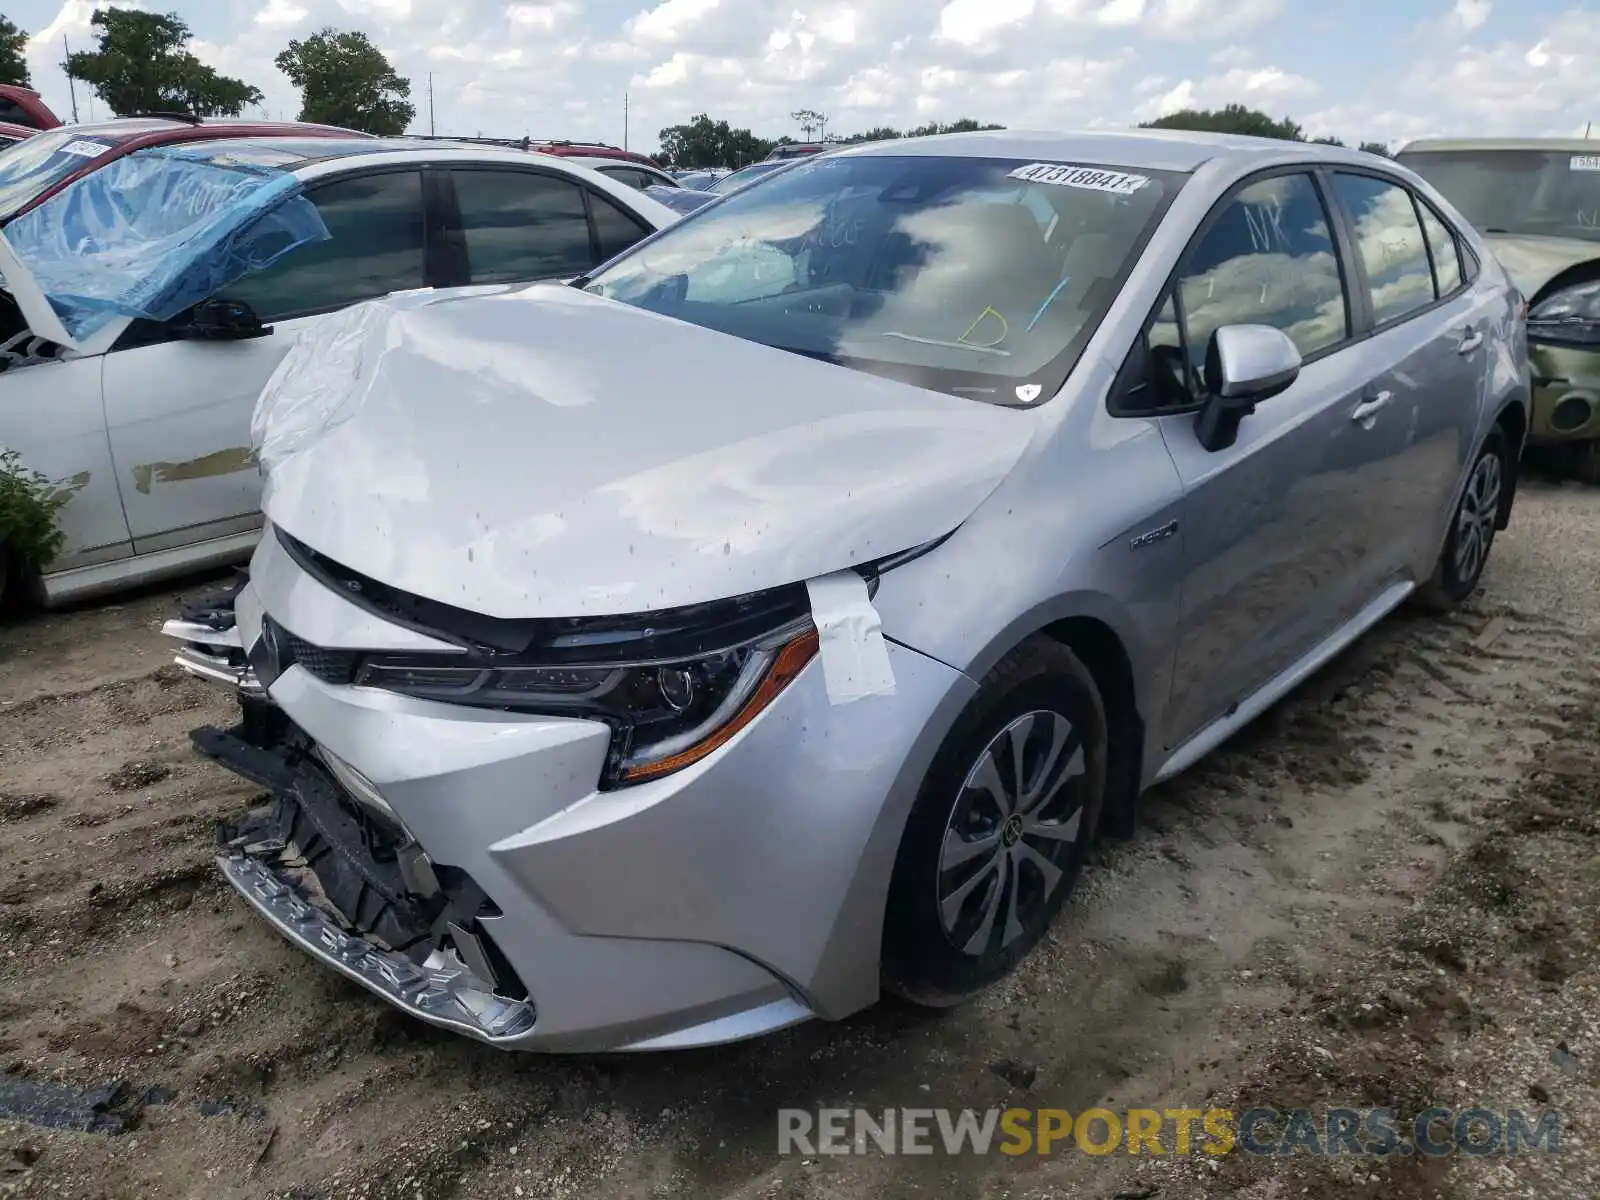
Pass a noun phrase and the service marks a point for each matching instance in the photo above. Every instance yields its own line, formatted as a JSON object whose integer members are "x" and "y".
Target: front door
{"x": 1279, "y": 526}
{"x": 179, "y": 409}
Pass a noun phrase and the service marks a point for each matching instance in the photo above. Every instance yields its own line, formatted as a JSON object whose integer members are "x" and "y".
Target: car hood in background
{"x": 550, "y": 453}
{"x": 1533, "y": 260}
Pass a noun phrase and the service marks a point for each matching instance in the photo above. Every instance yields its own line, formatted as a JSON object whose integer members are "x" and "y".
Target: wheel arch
{"x": 1512, "y": 421}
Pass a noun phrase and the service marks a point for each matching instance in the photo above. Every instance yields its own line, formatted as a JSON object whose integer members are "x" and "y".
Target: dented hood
{"x": 550, "y": 453}
{"x": 1534, "y": 260}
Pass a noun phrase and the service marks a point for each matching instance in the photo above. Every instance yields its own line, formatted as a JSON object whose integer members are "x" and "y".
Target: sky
{"x": 1380, "y": 70}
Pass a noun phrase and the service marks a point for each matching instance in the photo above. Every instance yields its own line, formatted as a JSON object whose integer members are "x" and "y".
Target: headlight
{"x": 664, "y": 713}
{"x": 1570, "y": 315}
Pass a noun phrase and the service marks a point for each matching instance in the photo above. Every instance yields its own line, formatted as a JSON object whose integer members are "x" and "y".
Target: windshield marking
{"x": 85, "y": 149}
{"x": 1092, "y": 179}
{"x": 1586, "y": 162}
{"x": 928, "y": 341}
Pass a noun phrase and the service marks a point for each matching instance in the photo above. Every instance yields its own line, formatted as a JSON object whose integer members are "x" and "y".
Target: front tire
{"x": 1472, "y": 527}
{"x": 997, "y": 836}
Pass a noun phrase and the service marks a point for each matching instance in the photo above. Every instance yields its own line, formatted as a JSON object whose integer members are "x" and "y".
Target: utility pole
{"x": 71, "y": 88}
{"x": 432, "y": 131}
{"x": 624, "y": 120}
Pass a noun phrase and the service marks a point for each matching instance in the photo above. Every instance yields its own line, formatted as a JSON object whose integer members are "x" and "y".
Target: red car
{"x": 22, "y": 106}
{"x": 35, "y": 169}
{"x": 565, "y": 149}
{"x": 11, "y": 134}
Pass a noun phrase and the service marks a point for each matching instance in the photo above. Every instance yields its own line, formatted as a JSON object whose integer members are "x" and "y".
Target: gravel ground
{"x": 1383, "y": 894}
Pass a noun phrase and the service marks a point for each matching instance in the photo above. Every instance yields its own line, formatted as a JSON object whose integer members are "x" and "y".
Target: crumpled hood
{"x": 1533, "y": 261}
{"x": 545, "y": 452}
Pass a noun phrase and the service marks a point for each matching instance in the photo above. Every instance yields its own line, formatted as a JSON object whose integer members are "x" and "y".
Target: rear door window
{"x": 523, "y": 225}
{"x": 1390, "y": 241}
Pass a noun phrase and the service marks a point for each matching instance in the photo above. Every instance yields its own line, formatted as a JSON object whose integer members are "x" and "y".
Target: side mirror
{"x": 218, "y": 319}
{"x": 1245, "y": 364}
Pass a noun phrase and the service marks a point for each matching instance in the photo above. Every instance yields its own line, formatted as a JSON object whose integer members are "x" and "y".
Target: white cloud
{"x": 973, "y": 23}
{"x": 1265, "y": 88}
{"x": 670, "y": 19}
{"x": 1468, "y": 15}
{"x": 281, "y": 14}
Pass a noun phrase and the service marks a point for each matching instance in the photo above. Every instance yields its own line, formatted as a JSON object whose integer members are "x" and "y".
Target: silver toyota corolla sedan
{"x": 773, "y": 617}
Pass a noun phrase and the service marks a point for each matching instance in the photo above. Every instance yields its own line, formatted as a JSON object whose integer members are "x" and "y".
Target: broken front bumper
{"x": 209, "y": 645}
{"x": 1566, "y": 393}
{"x": 354, "y": 891}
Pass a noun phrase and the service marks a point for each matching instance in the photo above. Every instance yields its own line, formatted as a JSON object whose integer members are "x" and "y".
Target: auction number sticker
{"x": 1093, "y": 179}
{"x": 85, "y": 149}
{"x": 1586, "y": 162}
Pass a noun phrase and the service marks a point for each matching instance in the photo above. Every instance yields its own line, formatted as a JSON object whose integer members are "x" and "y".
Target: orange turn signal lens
{"x": 786, "y": 665}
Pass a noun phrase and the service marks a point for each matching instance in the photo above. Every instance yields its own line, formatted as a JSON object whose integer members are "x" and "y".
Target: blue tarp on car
{"x": 150, "y": 234}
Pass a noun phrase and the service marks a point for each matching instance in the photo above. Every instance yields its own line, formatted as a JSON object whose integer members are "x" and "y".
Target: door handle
{"x": 1370, "y": 407}
{"x": 1470, "y": 340}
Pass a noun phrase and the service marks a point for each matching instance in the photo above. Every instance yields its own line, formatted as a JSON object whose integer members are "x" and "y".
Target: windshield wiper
{"x": 928, "y": 341}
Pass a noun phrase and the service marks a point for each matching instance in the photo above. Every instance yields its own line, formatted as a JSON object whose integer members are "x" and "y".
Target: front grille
{"x": 289, "y": 649}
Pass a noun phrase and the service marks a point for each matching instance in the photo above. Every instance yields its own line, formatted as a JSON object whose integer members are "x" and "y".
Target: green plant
{"x": 29, "y": 502}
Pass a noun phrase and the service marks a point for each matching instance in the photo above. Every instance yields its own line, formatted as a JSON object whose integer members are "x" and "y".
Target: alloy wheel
{"x": 1475, "y": 519}
{"x": 1010, "y": 837}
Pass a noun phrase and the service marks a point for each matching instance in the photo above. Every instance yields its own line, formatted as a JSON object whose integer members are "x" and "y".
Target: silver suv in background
{"x": 982, "y": 482}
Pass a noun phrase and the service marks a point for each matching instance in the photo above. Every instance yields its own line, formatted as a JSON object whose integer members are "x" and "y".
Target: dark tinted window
{"x": 13, "y": 112}
{"x": 1268, "y": 259}
{"x": 615, "y": 228}
{"x": 377, "y": 246}
{"x": 521, "y": 225}
{"x": 634, "y": 177}
{"x": 1389, "y": 240}
{"x": 1442, "y": 247}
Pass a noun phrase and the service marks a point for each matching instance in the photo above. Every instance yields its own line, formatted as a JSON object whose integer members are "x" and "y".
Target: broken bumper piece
{"x": 353, "y": 891}
{"x": 209, "y": 645}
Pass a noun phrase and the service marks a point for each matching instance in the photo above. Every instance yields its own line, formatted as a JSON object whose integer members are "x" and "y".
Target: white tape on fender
{"x": 855, "y": 658}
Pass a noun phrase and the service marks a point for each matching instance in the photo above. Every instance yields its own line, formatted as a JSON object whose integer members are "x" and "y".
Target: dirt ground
{"x": 1385, "y": 893}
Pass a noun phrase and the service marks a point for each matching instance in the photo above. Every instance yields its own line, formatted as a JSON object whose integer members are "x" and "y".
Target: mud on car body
{"x": 983, "y": 481}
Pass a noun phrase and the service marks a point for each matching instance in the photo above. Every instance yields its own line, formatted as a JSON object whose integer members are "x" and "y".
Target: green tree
{"x": 13, "y": 54}
{"x": 141, "y": 66}
{"x": 702, "y": 142}
{"x": 1376, "y": 148}
{"x": 345, "y": 80}
{"x": 1233, "y": 118}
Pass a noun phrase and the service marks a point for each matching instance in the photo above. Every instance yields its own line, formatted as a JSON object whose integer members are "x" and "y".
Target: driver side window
{"x": 1267, "y": 258}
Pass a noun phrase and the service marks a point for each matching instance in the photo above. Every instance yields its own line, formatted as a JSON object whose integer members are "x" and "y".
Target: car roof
{"x": 598, "y": 161}
{"x": 1150, "y": 149}
{"x": 1570, "y": 145}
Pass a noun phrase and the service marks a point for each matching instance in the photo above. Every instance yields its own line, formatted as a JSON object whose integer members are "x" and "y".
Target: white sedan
{"x": 151, "y": 300}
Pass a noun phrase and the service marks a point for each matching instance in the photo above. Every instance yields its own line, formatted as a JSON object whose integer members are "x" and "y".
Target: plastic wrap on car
{"x": 153, "y": 233}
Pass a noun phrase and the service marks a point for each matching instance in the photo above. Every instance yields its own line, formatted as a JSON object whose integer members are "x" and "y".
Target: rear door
{"x": 1278, "y": 528}
{"x": 510, "y": 224}
{"x": 179, "y": 409}
{"x": 1430, "y": 347}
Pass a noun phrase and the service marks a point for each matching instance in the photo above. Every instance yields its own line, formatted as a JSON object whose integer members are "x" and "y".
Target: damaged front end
{"x": 333, "y": 869}
{"x": 209, "y": 645}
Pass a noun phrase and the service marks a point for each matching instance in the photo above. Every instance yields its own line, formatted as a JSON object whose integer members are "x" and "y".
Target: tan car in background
{"x": 1537, "y": 202}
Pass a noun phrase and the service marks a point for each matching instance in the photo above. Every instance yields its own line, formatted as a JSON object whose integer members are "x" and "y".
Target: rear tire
{"x": 1472, "y": 527}
{"x": 997, "y": 836}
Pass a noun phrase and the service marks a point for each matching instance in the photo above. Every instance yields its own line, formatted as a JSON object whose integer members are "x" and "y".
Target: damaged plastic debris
{"x": 155, "y": 232}
{"x": 855, "y": 657}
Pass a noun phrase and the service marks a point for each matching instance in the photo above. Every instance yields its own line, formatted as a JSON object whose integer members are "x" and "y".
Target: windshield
{"x": 980, "y": 277}
{"x": 1555, "y": 193}
{"x": 743, "y": 176}
{"x": 40, "y": 162}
